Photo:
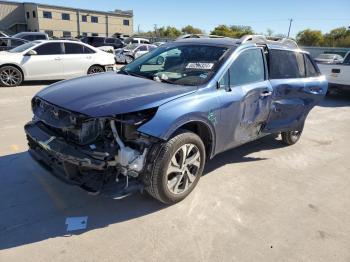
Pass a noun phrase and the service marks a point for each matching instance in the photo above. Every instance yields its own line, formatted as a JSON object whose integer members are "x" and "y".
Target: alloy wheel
{"x": 183, "y": 169}
{"x": 95, "y": 70}
{"x": 10, "y": 76}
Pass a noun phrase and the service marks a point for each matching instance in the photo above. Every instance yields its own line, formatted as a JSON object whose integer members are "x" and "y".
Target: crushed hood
{"x": 110, "y": 94}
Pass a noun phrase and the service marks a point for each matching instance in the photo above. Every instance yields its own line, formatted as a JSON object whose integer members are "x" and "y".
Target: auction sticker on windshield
{"x": 201, "y": 66}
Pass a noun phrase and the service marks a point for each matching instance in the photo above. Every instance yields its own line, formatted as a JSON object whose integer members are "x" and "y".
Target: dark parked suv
{"x": 156, "y": 122}
{"x": 32, "y": 36}
{"x": 98, "y": 41}
{"x": 7, "y": 43}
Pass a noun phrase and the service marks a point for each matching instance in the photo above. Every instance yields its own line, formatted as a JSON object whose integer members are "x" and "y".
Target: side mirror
{"x": 31, "y": 52}
{"x": 222, "y": 86}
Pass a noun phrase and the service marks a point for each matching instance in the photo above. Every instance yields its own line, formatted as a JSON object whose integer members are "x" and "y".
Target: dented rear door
{"x": 297, "y": 88}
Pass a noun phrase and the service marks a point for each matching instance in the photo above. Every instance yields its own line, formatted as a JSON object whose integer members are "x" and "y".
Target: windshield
{"x": 22, "y": 48}
{"x": 183, "y": 65}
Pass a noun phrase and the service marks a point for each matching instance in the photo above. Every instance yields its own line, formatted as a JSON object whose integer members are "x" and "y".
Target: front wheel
{"x": 10, "y": 76}
{"x": 291, "y": 137}
{"x": 177, "y": 168}
{"x": 95, "y": 69}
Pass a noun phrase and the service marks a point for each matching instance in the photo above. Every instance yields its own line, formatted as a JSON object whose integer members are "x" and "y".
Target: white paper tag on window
{"x": 201, "y": 66}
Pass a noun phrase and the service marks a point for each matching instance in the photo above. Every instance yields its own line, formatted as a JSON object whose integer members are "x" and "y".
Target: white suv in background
{"x": 52, "y": 60}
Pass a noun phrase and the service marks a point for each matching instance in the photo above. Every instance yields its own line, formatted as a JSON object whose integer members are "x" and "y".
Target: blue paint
{"x": 233, "y": 117}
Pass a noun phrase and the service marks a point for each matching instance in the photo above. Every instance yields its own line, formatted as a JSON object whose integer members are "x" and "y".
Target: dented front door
{"x": 245, "y": 99}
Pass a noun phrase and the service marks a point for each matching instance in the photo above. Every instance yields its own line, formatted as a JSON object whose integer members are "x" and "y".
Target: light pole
{"x": 290, "y": 26}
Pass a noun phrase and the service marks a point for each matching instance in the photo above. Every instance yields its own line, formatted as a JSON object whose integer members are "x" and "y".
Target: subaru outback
{"x": 155, "y": 123}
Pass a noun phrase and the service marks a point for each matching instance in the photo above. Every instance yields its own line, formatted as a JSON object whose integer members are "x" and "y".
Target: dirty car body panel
{"x": 110, "y": 128}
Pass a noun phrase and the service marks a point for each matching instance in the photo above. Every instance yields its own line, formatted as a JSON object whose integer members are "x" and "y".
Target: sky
{"x": 206, "y": 14}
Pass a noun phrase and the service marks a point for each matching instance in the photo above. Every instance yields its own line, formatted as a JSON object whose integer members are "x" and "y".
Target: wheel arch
{"x": 203, "y": 130}
{"x": 17, "y": 66}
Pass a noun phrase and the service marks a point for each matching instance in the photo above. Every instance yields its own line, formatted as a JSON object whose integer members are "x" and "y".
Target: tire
{"x": 291, "y": 137}
{"x": 171, "y": 179}
{"x": 95, "y": 69}
{"x": 10, "y": 76}
{"x": 128, "y": 59}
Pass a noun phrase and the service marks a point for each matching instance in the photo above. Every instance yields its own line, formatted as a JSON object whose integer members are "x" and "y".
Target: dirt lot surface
{"x": 259, "y": 202}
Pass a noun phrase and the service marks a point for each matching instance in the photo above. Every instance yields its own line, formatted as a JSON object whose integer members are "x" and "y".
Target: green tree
{"x": 337, "y": 37}
{"x": 310, "y": 37}
{"x": 169, "y": 31}
{"x": 241, "y": 30}
{"x": 191, "y": 30}
{"x": 235, "y": 31}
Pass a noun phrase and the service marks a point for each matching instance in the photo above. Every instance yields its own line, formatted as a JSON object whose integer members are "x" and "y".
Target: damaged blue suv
{"x": 155, "y": 123}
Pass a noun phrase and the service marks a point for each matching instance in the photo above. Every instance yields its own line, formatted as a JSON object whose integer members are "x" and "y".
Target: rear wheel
{"x": 291, "y": 137}
{"x": 177, "y": 169}
{"x": 10, "y": 76}
{"x": 95, "y": 69}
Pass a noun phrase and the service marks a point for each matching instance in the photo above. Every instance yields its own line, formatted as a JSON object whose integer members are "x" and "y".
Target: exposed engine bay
{"x": 97, "y": 154}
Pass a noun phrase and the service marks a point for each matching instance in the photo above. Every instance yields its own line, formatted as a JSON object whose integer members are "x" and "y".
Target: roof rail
{"x": 261, "y": 39}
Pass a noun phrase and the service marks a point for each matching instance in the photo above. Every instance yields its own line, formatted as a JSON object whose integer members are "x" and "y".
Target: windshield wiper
{"x": 131, "y": 73}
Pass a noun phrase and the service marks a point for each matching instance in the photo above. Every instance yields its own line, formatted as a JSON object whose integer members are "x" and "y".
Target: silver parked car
{"x": 132, "y": 51}
{"x": 329, "y": 58}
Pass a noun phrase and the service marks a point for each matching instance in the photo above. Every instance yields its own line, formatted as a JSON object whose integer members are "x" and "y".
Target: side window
{"x": 311, "y": 70}
{"x": 15, "y": 42}
{"x": 301, "y": 64}
{"x": 39, "y": 37}
{"x": 49, "y": 49}
{"x": 143, "y": 48}
{"x": 110, "y": 40}
{"x": 71, "y": 48}
{"x": 225, "y": 81}
{"x": 88, "y": 50}
{"x": 347, "y": 59}
{"x": 247, "y": 68}
{"x": 285, "y": 64}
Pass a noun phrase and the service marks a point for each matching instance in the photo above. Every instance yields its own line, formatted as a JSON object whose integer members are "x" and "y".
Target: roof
{"x": 128, "y": 13}
{"x": 30, "y": 33}
{"x": 229, "y": 42}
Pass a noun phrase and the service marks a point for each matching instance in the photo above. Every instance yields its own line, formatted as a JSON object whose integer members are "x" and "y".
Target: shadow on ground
{"x": 34, "y": 204}
{"x": 336, "y": 100}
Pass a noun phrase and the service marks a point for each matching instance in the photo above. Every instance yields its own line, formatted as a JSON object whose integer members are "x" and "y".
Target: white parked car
{"x": 136, "y": 40}
{"x": 52, "y": 60}
{"x": 329, "y": 58}
{"x": 338, "y": 75}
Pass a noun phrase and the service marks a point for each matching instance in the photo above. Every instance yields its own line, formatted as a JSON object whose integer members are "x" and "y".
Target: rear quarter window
{"x": 285, "y": 64}
{"x": 311, "y": 69}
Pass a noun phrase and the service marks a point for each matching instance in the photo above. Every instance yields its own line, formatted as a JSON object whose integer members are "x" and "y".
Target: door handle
{"x": 266, "y": 93}
{"x": 89, "y": 57}
{"x": 58, "y": 58}
{"x": 335, "y": 70}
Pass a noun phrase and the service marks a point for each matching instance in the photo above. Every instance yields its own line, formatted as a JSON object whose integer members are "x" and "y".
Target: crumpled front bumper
{"x": 62, "y": 158}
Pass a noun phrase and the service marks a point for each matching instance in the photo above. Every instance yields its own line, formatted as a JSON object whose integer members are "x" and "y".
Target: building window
{"x": 28, "y": 15}
{"x": 126, "y": 22}
{"x": 94, "y": 34}
{"x": 84, "y": 18}
{"x": 67, "y": 34}
{"x": 84, "y": 34}
{"x": 49, "y": 33}
{"x": 34, "y": 14}
{"x": 47, "y": 14}
{"x": 65, "y": 16}
{"x": 94, "y": 19}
